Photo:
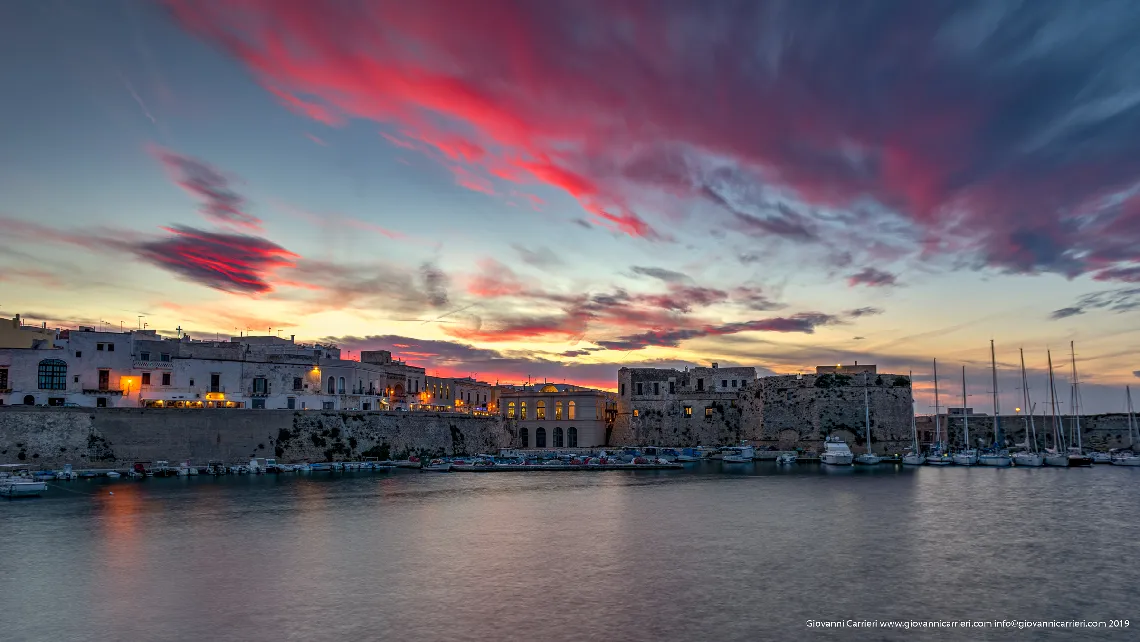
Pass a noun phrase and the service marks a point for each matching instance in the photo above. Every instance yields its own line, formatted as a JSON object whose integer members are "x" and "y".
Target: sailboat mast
{"x": 965, "y": 413}
{"x": 1027, "y": 405}
{"x": 914, "y": 427}
{"x": 1053, "y": 404}
{"x": 1076, "y": 398}
{"x": 867, "y": 411}
{"x": 1131, "y": 422}
{"x": 937, "y": 435}
{"x": 998, "y": 440}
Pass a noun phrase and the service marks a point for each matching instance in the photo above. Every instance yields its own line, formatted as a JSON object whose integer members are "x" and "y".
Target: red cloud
{"x": 220, "y": 203}
{"x": 229, "y": 262}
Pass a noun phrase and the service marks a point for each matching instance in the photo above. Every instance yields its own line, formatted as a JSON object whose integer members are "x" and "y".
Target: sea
{"x": 714, "y": 552}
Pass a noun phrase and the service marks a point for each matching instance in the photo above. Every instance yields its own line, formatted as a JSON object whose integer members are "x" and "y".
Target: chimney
{"x": 292, "y": 338}
{"x": 715, "y": 364}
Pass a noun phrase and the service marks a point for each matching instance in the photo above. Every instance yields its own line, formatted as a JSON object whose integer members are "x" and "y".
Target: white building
{"x": 559, "y": 415}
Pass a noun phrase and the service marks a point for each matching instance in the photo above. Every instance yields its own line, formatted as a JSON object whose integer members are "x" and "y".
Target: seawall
{"x": 84, "y": 437}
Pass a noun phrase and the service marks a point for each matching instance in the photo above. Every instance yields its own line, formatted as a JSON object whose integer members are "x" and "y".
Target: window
{"x": 571, "y": 437}
{"x": 366, "y": 406}
{"x": 3, "y": 378}
{"x": 260, "y": 386}
{"x": 332, "y": 385}
{"x": 55, "y": 401}
{"x": 540, "y": 410}
{"x": 146, "y": 379}
{"x": 708, "y": 411}
{"x": 291, "y": 403}
{"x": 76, "y": 379}
{"x": 469, "y": 398}
{"x": 99, "y": 347}
{"x": 636, "y": 412}
{"x": 417, "y": 386}
{"x": 570, "y": 410}
{"x": 656, "y": 388}
{"x": 557, "y": 411}
{"x": 164, "y": 357}
{"x": 215, "y": 382}
{"x": 623, "y": 389}
{"x": 144, "y": 356}
{"x": 78, "y": 354}
{"x": 557, "y": 437}
{"x": 101, "y": 402}
{"x": 639, "y": 387}
{"x": 297, "y": 383}
{"x": 724, "y": 383}
{"x": 166, "y": 378}
{"x": 327, "y": 405}
{"x": 259, "y": 404}
{"x": 522, "y": 412}
{"x": 734, "y": 383}
{"x": 110, "y": 347}
{"x": 700, "y": 384}
{"x": 524, "y": 438}
{"x": 511, "y": 411}
{"x": 688, "y": 411}
{"x": 340, "y": 386}
{"x": 672, "y": 387}
{"x": 540, "y": 438}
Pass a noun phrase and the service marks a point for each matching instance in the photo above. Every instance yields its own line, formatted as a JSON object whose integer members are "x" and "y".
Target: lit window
{"x": 540, "y": 410}
{"x": 636, "y": 412}
{"x": 571, "y": 410}
{"x": 708, "y": 411}
{"x": 522, "y": 410}
{"x": 558, "y": 411}
{"x": 688, "y": 411}
{"x": 511, "y": 410}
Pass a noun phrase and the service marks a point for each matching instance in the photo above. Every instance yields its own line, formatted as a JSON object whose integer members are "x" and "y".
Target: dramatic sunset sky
{"x": 559, "y": 188}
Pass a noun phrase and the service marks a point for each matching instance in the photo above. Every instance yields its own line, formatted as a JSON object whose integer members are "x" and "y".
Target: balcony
{"x": 263, "y": 392}
{"x": 102, "y": 391}
{"x": 152, "y": 365}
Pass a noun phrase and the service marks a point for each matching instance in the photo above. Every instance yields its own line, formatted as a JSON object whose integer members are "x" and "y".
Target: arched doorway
{"x": 29, "y": 400}
{"x": 398, "y": 391}
{"x": 540, "y": 438}
{"x": 557, "y": 437}
{"x": 332, "y": 385}
{"x": 524, "y": 438}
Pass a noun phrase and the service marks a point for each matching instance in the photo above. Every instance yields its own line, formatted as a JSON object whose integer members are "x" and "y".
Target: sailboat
{"x": 1028, "y": 457}
{"x": 938, "y": 455}
{"x": 967, "y": 456}
{"x": 1055, "y": 456}
{"x": 915, "y": 456}
{"x": 1128, "y": 457}
{"x": 996, "y": 455}
{"x": 1077, "y": 456}
{"x": 868, "y": 458}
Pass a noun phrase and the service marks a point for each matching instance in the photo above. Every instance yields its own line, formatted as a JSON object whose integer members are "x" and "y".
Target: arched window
{"x": 570, "y": 411}
{"x": 524, "y": 438}
{"x": 557, "y": 411}
{"x": 571, "y": 437}
{"x": 332, "y": 385}
{"x": 557, "y": 437}
{"x": 540, "y": 410}
{"x": 29, "y": 400}
{"x": 53, "y": 374}
{"x": 522, "y": 413}
{"x": 469, "y": 398}
{"x": 511, "y": 411}
{"x": 340, "y": 386}
{"x": 540, "y": 438}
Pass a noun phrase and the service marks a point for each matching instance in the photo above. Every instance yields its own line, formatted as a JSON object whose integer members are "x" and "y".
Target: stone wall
{"x": 84, "y": 437}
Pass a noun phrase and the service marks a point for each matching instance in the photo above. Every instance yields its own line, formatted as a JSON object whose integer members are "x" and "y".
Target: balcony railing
{"x": 139, "y": 364}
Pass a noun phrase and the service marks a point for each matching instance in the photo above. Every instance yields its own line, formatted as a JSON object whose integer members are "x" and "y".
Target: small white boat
{"x": 999, "y": 458}
{"x": 836, "y": 452}
{"x": 437, "y": 466}
{"x": 1053, "y": 458}
{"x": 67, "y": 474}
{"x": 113, "y": 475}
{"x": 1100, "y": 458}
{"x": 868, "y": 458}
{"x": 968, "y": 457}
{"x": 938, "y": 455}
{"x": 20, "y": 485}
{"x": 1028, "y": 459}
{"x": 786, "y": 458}
{"x": 1126, "y": 458}
{"x": 738, "y": 454}
{"x": 913, "y": 459}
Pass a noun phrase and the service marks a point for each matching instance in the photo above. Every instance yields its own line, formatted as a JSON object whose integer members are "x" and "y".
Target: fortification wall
{"x": 87, "y": 437}
{"x": 1098, "y": 432}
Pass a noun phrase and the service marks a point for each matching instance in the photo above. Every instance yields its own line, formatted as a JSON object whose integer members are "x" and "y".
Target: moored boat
{"x": 1100, "y": 457}
{"x": 868, "y": 458}
{"x": 738, "y": 454}
{"x": 1128, "y": 457}
{"x": 437, "y": 466}
{"x": 836, "y": 452}
{"x": 786, "y": 458}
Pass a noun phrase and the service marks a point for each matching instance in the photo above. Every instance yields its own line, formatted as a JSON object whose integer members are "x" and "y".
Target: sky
{"x": 553, "y": 190}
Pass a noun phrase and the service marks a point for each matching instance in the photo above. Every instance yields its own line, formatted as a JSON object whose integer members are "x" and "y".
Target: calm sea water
{"x": 750, "y": 554}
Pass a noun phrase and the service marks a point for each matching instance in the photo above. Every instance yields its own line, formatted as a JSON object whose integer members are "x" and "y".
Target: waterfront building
{"x": 14, "y": 334}
{"x": 700, "y": 406}
{"x": 560, "y": 415}
{"x": 457, "y": 394}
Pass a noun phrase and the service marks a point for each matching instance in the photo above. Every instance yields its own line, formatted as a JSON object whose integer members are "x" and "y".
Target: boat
{"x": 1099, "y": 457}
{"x": 967, "y": 456}
{"x": 914, "y": 456}
{"x": 738, "y": 454}
{"x": 1029, "y": 457}
{"x": 937, "y": 456}
{"x": 1077, "y": 456}
{"x": 162, "y": 469}
{"x": 20, "y": 484}
{"x": 113, "y": 475}
{"x": 996, "y": 454}
{"x": 67, "y": 474}
{"x": 320, "y": 467}
{"x": 890, "y": 459}
{"x": 786, "y": 458}
{"x": 668, "y": 454}
{"x": 689, "y": 455}
{"x": 836, "y": 452}
{"x": 437, "y": 466}
{"x": 1055, "y": 456}
{"x": 868, "y": 458}
{"x": 1128, "y": 457}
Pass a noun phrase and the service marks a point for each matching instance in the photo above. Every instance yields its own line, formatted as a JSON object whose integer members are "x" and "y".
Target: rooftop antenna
{"x": 140, "y": 321}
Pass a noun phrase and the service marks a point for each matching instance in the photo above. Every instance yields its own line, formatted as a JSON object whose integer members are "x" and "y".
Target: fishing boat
{"x": 668, "y": 454}
{"x": 996, "y": 454}
{"x": 1029, "y": 457}
{"x": 67, "y": 474}
{"x": 738, "y": 454}
{"x": 112, "y": 474}
{"x": 836, "y": 452}
{"x": 1128, "y": 457}
{"x": 938, "y": 455}
{"x": 914, "y": 456}
{"x": 868, "y": 458}
{"x": 1077, "y": 455}
{"x": 689, "y": 455}
{"x": 437, "y": 466}
{"x": 786, "y": 458}
{"x": 967, "y": 456}
{"x": 19, "y": 484}
{"x": 162, "y": 469}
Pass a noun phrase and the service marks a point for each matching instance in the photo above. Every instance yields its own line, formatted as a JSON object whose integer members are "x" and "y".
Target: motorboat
{"x": 836, "y": 452}
{"x": 21, "y": 486}
{"x": 689, "y": 455}
{"x": 67, "y": 474}
{"x": 162, "y": 469}
{"x": 786, "y": 458}
{"x": 668, "y": 454}
{"x": 738, "y": 454}
{"x": 1078, "y": 459}
{"x": 113, "y": 475}
{"x": 1100, "y": 458}
{"x": 868, "y": 459}
{"x": 437, "y": 466}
